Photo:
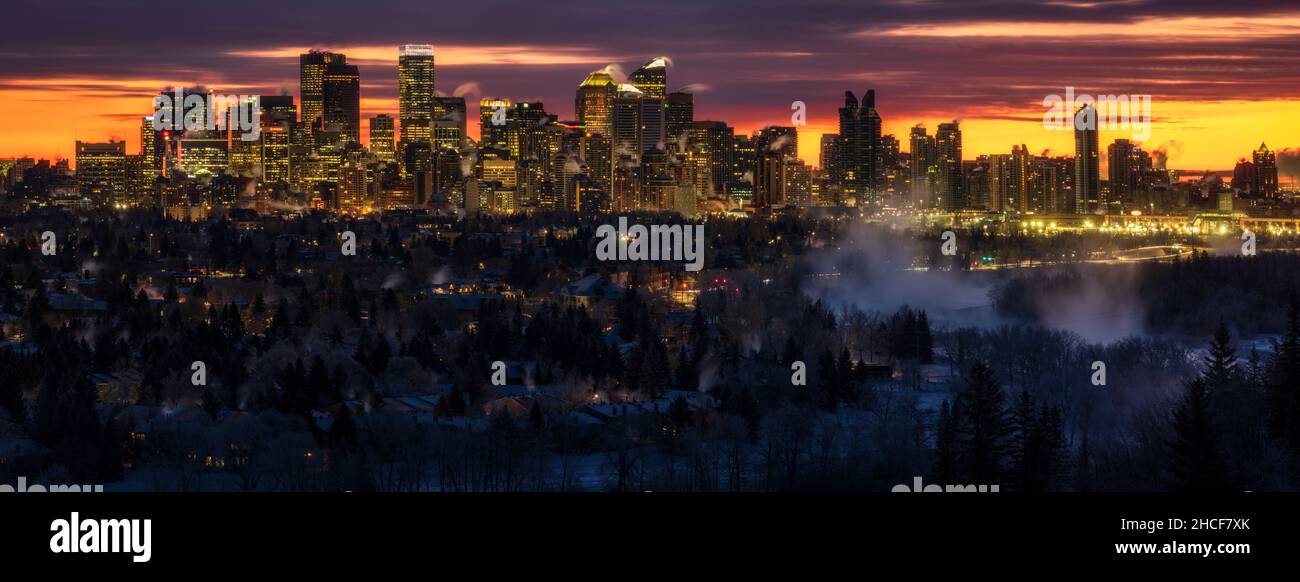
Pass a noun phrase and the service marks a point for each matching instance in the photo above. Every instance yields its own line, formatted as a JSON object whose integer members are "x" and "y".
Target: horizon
{"x": 1221, "y": 78}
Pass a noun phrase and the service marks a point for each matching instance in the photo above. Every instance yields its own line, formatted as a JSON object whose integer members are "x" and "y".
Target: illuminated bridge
{"x": 1156, "y": 253}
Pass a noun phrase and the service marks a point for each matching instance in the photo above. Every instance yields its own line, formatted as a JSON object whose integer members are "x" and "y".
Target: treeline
{"x": 1188, "y": 296}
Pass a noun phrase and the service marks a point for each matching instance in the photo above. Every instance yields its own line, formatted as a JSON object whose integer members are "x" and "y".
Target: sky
{"x": 1222, "y": 77}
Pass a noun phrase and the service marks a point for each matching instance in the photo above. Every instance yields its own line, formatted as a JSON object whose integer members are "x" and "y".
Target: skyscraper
{"x": 311, "y": 82}
{"x": 1021, "y": 176}
{"x": 1129, "y": 172}
{"x": 150, "y": 146}
{"x": 921, "y": 167}
{"x": 743, "y": 159}
{"x": 947, "y": 163}
{"x": 101, "y": 172}
{"x": 652, "y": 78}
{"x": 381, "y": 138}
{"x": 279, "y": 118}
{"x": 594, "y": 101}
{"x": 448, "y": 125}
{"x": 1087, "y": 175}
{"x": 491, "y": 120}
{"x": 797, "y": 186}
{"x": 826, "y": 157}
{"x": 637, "y": 122}
{"x": 713, "y": 139}
{"x": 1265, "y": 171}
{"x": 679, "y": 113}
{"x": 341, "y": 100}
{"x": 415, "y": 96}
{"x": 783, "y": 139}
{"x": 769, "y": 179}
{"x": 858, "y": 163}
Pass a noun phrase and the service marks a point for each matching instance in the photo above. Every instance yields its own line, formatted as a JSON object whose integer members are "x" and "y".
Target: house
{"x": 117, "y": 387}
{"x": 589, "y": 291}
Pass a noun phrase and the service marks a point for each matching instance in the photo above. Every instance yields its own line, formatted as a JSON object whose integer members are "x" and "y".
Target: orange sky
{"x": 43, "y": 120}
{"x": 44, "y": 117}
{"x": 1223, "y": 77}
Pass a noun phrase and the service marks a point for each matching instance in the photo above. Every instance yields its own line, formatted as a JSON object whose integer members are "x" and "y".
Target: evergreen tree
{"x": 1221, "y": 370}
{"x": 1083, "y": 467}
{"x": 343, "y": 431}
{"x": 1194, "y": 454}
{"x": 985, "y": 428}
{"x": 945, "y": 446}
{"x": 1052, "y": 446}
{"x": 792, "y": 351}
{"x": 1027, "y": 453}
{"x": 1284, "y": 385}
{"x": 924, "y": 339}
{"x": 536, "y": 417}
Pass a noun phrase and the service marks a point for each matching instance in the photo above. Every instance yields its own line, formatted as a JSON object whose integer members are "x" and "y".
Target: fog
{"x": 872, "y": 269}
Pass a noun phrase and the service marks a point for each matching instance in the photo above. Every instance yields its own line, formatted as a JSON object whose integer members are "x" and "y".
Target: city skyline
{"x": 1226, "y": 93}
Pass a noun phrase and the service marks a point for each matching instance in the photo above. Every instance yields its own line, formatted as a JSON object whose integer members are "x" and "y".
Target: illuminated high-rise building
{"x": 587, "y": 196}
{"x": 448, "y": 125}
{"x": 1087, "y": 174}
{"x": 101, "y": 173}
{"x": 658, "y": 192}
{"x": 1265, "y": 162}
{"x": 679, "y": 113}
{"x": 638, "y": 122}
{"x": 352, "y": 188}
{"x": 279, "y": 118}
{"x": 397, "y": 194}
{"x": 417, "y": 157}
{"x": 597, "y": 151}
{"x": 893, "y": 178}
{"x": 797, "y": 183}
{"x": 1129, "y": 172}
{"x": 1022, "y": 171}
{"x": 769, "y": 179}
{"x": 948, "y": 185}
{"x": 744, "y": 156}
{"x": 140, "y": 179}
{"x": 625, "y": 185}
{"x": 499, "y": 170}
{"x": 532, "y": 145}
{"x": 204, "y": 155}
{"x": 151, "y": 146}
{"x": 858, "y": 164}
{"x": 713, "y": 139}
{"x": 341, "y": 101}
{"x": 492, "y": 122}
{"x": 311, "y": 84}
{"x": 998, "y": 172}
{"x": 415, "y": 94}
{"x": 1048, "y": 184}
{"x": 921, "y": 164}
{"x": 594, "y": 101}
{"x": 381, "y": 138}
{"x": 826, "y": 155}
{"x": 652, "y": 78}
{"x": 778, "y": 138}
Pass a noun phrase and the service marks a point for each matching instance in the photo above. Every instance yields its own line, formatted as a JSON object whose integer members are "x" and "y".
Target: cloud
{"x": 467, "y": 89}
{"x": 1147, "y": 29}
{"x": 1288, "y": 163}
